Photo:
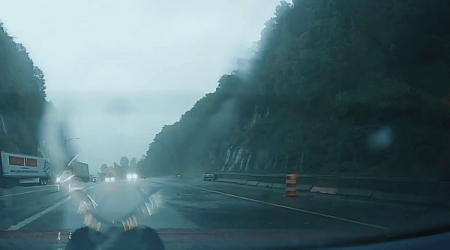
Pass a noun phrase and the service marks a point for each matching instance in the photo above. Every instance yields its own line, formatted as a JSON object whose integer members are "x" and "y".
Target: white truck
{"x": 21, "y": 169}
{"x": 81, "y": 170}
{"x": 101, "y": 176}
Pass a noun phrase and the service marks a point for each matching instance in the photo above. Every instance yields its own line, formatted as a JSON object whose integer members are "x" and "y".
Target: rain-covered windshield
{"x": 235, "y": 122}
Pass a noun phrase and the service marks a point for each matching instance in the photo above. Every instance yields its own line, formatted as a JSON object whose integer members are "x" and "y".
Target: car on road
{"x": 109, "y": 177}
{"x": 208, "y": 177}
{"x": 132, "y": 177}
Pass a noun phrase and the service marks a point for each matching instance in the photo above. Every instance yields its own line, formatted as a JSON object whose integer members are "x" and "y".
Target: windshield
{"x": 291, "y": 122}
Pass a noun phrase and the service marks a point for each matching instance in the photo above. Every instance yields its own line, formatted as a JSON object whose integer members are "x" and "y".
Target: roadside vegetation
{"x": 22, "y": 97}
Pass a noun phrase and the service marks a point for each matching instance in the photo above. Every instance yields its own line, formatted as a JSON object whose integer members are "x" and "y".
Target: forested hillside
{"x": 22, "y": 97}
{"x": 342, "y": 87}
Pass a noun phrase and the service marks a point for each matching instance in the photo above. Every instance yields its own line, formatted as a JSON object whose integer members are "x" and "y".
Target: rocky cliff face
{"x": 336, "y": 87}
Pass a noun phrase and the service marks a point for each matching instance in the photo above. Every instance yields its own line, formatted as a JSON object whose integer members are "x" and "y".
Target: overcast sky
{"x": 120, "y": 70}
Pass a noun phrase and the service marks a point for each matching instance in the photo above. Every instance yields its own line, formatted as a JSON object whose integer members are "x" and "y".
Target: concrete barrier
{"x": 242, "y": 182}
{"x": 323, "y": 190}
{"x": 304, "y": 187}
{"x": 264, "y": 184}
{"x": 324, "y": 186}
{"x": 415, "y": 191}
{"x": 252, "y": 183}
{"x": 259, "y": 178}
{"x": 278, "y": 185}
{"x": 305, "y": 183}
{"x": 222, "y": 179}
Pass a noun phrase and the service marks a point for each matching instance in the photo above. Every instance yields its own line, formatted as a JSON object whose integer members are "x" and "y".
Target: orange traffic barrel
{"x": 292, "y": 185}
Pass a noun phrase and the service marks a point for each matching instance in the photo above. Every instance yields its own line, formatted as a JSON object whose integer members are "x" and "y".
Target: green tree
{"x": 104, "y": 168}
{"x": 22, "y": 97}
{"x": 133, "y": 164}
{"x": 124, "y": 163}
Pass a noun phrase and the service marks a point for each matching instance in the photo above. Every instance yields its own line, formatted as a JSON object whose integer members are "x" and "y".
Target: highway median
{"x": 400, "y": 190}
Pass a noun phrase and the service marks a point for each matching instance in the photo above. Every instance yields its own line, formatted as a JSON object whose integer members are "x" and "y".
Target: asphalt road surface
{"x": 218, "y": 213}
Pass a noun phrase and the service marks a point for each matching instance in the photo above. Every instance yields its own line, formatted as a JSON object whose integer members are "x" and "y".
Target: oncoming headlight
{"x": 58, "y": 179}
{"x": 134, "y": 176}
{"x": 129, "y": 176}
{"x": 107, "y": 179}
{"x": 112, "y": 179}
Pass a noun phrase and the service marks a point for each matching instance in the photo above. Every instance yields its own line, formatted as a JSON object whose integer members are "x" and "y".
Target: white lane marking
{"x": 54, "y": 185}
{"x": 90, "y": 187}
{"x": 36, "y": 216}
{"x": 29, "y": 192}
{"x": 293, "y": 208}
{"x": 40, "y": 214}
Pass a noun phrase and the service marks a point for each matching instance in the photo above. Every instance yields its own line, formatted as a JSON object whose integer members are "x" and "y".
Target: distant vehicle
{"x": 81, "y": 170}
{"x": 94, "y": 179}
{"x": 208, "y": 177}
{"x": 109, "y": 177}
{"x": 132, "y": 177}
{"x": 101, "y": 176}
{"x": 178, "y": 175}
{"x": 23, "y": 169}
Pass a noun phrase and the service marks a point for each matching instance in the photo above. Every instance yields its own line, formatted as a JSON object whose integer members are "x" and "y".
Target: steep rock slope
{"x": 334, "y": 87}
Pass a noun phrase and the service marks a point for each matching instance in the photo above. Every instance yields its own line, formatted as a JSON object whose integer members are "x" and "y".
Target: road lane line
{"x": 90, "y": 187}
{"x": 54, "y": 185}
{"x": 40, "y": 214}
{"x": 29, "y": 192}
{"x": 293, "y": 208}
{"x": 36, "y": 216}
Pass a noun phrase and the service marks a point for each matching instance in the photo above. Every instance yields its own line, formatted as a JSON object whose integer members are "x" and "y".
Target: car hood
{"x": 196, "y": 238}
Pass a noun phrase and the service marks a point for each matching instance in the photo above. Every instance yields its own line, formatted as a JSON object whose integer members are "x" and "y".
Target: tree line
{"x": 122, "y": 168}
{"x": 22, "y": 97}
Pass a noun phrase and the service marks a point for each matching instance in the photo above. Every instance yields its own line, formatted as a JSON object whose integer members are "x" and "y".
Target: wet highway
{"x": 191, "y": 204}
